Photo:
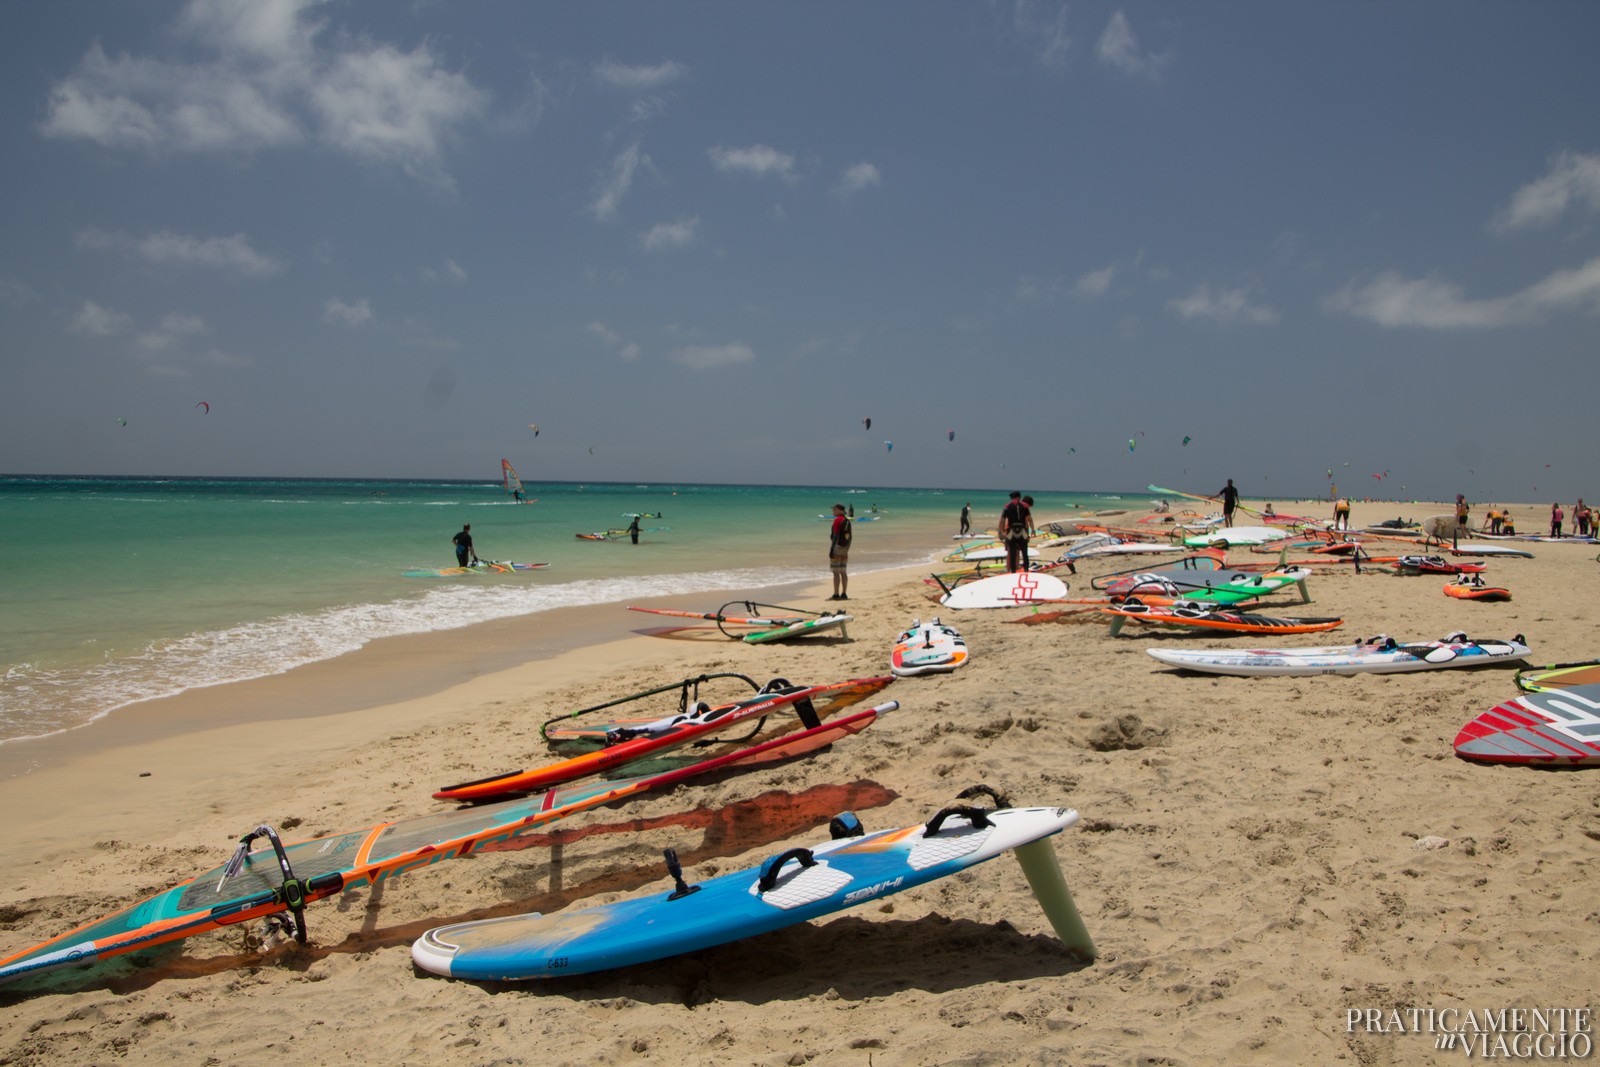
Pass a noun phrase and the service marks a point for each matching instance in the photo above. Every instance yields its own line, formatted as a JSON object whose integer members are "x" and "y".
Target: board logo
{"x": 1562, "y": 708}
{"x": 873, "y": 890}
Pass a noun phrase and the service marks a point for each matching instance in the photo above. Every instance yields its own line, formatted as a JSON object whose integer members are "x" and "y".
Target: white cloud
{"x": 1096, "y": 283}
{"x": 356, "y": 314}
{"x": 617, "y": 183}
{"x": 175, "y": 327}
{"x": 96, "y": 321}
{"x": 628, "y": 350}
{"x": 617, "y": 75}
{"x": 758, "y": 160}
{"x": 388, "y": 106}
{"x": 1226, "y": 306}
{"x": 165, "y": 249}
{"x": 1429, "y": 303}
{"x": 664, "y": 235}
{"x": 451, "y": 271}
{"x": 1042, "y": 28}
{"x": 711, "y": 357}
{"x": 256, "y": 79}
{"x": 1119, "y": 48}
{"x": 857, "y": 177}
{"x": 1572, "y": 180}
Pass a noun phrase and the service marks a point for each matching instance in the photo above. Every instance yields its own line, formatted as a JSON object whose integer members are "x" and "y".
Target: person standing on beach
{"x": 966, "y": 518}
{"x": 463, "y": 543}
{"x": 1013, "y": 528}
{"x": 1582, "y": 518}
{"x": 1341, "y": 513}
{"x": 633, "y": 529}
{"x": 839, "y": 539}
{"x": 1230, "y": 500}
{"x": 1557, "y": 516}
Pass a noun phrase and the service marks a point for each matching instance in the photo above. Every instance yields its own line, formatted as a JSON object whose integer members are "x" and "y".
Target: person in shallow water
{"x": 463, "y": 543}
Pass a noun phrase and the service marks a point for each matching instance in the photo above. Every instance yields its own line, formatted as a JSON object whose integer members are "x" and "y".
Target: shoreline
{"x": 1248, "y": 862}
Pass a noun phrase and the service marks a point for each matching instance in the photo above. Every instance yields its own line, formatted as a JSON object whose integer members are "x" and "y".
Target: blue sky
{"x": 702, "y": 241}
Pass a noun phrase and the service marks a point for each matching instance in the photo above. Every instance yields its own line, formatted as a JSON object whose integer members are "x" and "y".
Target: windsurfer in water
{"x": 463, "y": 543}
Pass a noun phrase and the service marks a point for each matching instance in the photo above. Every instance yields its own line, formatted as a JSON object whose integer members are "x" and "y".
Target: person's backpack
{"x": 845, "y": 533}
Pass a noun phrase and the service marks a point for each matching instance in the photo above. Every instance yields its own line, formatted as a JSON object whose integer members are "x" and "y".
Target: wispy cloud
{"x": 628, "y": 350}
{"x": 1041, "y": 26}
{"x": 175, "y": 328}
{"x": 343, "y": 313}
{"x": 255, "y": 76}
{"x": 1118, "y": 48}
{"x": 616, "y": 183}
{"x": 1095, "y": 284}
{"x": 856, "y": 177}
{"x": 666, "y": 235}
{"x": 1224, "y": 306}
{"x": 759, "y": 160}
{"x": 167, "y": 249}
{"x": 711, "y": 357}
{"x": 450, "y": 272}
{"x": 637, "y": 79}
{"x": 1572, "y": 181}
{"x": 1391, "y": 300}
{"x": 96, "y": 321}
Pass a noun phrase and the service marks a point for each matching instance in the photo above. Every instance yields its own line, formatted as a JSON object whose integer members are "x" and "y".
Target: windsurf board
{"x": 1557, "y": 728}
{"x": 801, "y": 628}
{"x": 927, "y": 648}
{"x": 1005, "y": 591}
{"x": 1376, "y": 655}
{"x": 498, "y": 566}
{"x": 791, "y": 887}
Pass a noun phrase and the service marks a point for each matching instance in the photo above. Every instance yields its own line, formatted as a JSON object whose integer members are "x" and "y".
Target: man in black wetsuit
{"x": 1014, "y": 521}
{"x": 1230, "y": 500}
{"x": 463, "y": 543}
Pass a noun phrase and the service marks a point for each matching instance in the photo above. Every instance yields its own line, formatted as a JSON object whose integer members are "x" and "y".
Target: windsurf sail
{"x": 508, "y": 475}
{"x": 285, "y": 878}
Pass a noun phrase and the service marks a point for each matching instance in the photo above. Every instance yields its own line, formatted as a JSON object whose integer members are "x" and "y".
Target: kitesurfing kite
{"x": 203, "y": 404}
{"x": 122, "y": 422}
{"x": 888, "y": 446}
{"x": 1132, "y": 444}
{"x": 534, "y": 426}
{"x": 866, "y": 423}
{"x": 1186, "y": 440}
{"x": 950, "y": 435}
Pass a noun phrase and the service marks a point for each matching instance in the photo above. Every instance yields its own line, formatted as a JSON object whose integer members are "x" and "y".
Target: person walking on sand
{"x": 966, "y": 518}
{"x": 463, "y": 543}
{"x": 1557, "y": 516}
{"x": 1013, "y": 529}
{"x": 1341, "y": 513}
{"x": 1230, "y": 500}
{"x": 839, "y": 538}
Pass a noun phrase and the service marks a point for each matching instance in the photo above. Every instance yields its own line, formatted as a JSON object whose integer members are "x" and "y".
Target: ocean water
{"x": 119, "y": 590}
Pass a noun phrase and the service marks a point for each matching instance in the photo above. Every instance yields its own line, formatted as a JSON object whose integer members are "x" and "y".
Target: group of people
{"x": 1583, "y": 523}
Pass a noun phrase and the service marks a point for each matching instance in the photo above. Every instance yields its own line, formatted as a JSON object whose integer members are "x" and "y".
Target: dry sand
{"x": 1248, "y": 859}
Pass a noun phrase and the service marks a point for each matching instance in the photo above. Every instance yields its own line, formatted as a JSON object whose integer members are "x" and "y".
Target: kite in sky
{"x": 203, "y": 404}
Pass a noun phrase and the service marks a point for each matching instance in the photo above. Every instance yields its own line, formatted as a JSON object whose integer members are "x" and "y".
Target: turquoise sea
{"x": 118, "y": 590}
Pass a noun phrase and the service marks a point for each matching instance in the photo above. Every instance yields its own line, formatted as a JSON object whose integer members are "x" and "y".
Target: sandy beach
{"x": 1248, "y": 861}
